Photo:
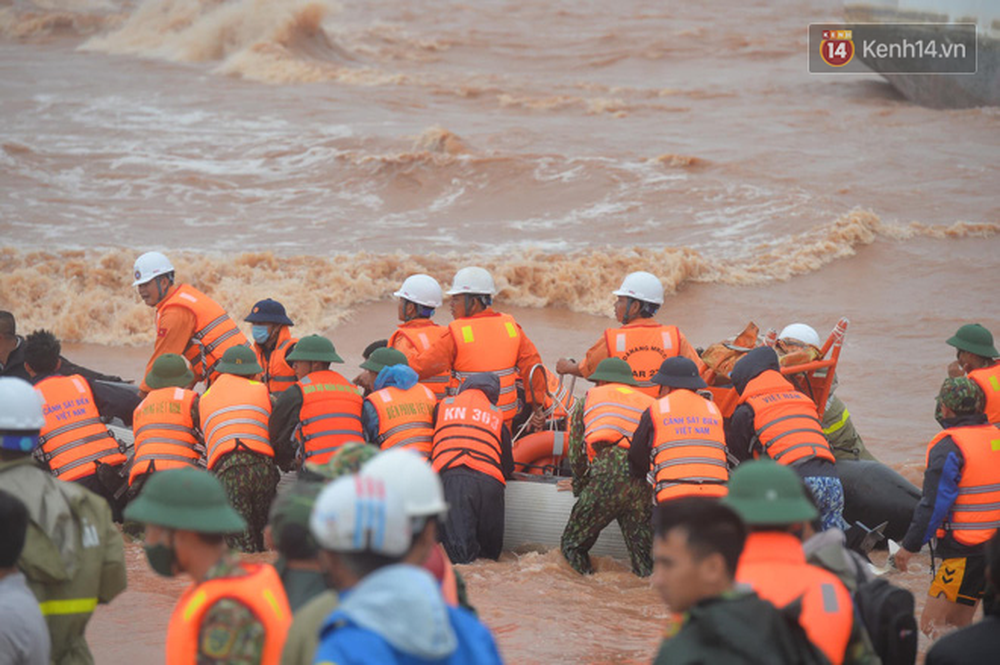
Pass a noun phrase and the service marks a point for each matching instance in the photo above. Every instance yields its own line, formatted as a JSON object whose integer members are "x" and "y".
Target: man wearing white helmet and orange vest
{"x": 640, "y": 341}
{"x": 797, "y": 344}
{"x": 188, "y": 322}
{"x": 483, "y": 340}
{"x": 418, "y": 297}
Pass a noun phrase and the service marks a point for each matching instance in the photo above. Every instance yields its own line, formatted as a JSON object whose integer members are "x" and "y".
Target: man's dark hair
{"x": 363, "y": 564}
{"x": 41, "y": 351}
{"x": 8, "y": 326}
{"x": 711, "y": 527}
{"x": 13, "y": 528}
{"x": 370, "y": 349}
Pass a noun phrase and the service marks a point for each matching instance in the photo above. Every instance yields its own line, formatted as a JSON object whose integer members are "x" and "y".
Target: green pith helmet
{"x": 384, "y": 357}
{"x": 239, "y": 360}
{"x": 314, "y": 348}
{"x": 187, "y": 499}
{"x": 976, "y": 339}
{"x": 348, "y": 459}
{"x": 765, "y": 492}
{"x": 169, "y": 371}
{"x": 613, "y": 370}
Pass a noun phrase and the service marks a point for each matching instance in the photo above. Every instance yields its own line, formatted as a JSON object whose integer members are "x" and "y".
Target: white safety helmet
{"x": 359, "y": 513}
{"x": 412, "y": 477}
{"x": 474, "y": 281}
{"x": 642, "y": 286}
{"x": 20, "y": 412}
{"x": 150, "y": 265}
{"x": 421, "y": 289}
{"x": 800, "y": 332}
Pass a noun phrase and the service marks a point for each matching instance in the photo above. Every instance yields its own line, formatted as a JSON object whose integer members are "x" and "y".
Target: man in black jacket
{"x": 12, "y": 355}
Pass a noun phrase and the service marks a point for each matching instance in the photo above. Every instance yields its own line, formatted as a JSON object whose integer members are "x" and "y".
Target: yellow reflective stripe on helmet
{"x": 467, "y": 335}
{"x": 839, "y": 424}
{"x": 71, "y": 606}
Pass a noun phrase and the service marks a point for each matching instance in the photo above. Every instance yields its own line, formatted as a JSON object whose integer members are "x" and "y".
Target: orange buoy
{"x": 538, "y": 450}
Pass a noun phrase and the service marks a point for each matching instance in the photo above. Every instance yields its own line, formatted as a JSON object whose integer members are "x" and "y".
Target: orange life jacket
{"x": 214, "y": 331}
{"x": 73, "y": 437}
{"x": 164, "y": 429}
{"x": 611, "y": 413}
{"x": 489, "y": 344}
{"x": 468, "y": 433}
{"x": 988, "y": 378}
{"x": 774, "y": 564}
{"x": 421, "y": 338}
{"x": 689, "y": 447}
{"x": 234, "y": 413}
{"x": 975, "y": 515}
{"x": 278, "y": 374}
{"x": 405, "y": 417}
{"x": 785, "y": 420}
{"x": 261, "y": 591}
{"x": 644, "y": 348}
{"x": 330, "y": 415}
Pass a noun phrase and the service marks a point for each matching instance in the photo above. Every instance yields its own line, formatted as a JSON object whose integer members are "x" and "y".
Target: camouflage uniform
{"x": 250, "y": 481}
{"x": 230, "y": 633}
{"x": 845, "y": 442}
{"x": 606, "y": 491}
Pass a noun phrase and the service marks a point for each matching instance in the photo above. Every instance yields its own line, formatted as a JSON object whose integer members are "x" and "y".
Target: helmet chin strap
{"x": 159, "y": 289}
{"x": 406, "y": 311}
{"x": 628, "y": 306}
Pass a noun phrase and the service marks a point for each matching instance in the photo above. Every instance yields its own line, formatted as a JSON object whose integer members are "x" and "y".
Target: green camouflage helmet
{"x": 314, "y": 348}
{"x": 348, "y": 459}
{"x": 962, "y": 396}
{"x": 188, "y": 499}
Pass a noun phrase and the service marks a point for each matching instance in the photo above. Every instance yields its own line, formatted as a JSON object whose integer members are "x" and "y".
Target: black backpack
{"x": 887, "y": 612}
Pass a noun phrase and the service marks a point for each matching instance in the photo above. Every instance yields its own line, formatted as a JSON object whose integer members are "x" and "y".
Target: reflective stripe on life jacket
{"x": 988, "y": 378}
{"x": 234, "y": 413}
{"x": 278, "y": 374}
{"x": 214, "y": 331}
{"x": 785, "y": 420}
{"x": 260, "y": 591}
{"x": 330, "y": 415}
{"x": 689, "y": 447}
{"x": 421, "y": 338}
{"x": 405, "y": 417}
{"x": 610, "y": 415}
{"x": 468, "y": 433}
{"x": 644, "y": 348}
{"x": 774, "y": 564}
{"x": 73, "y": 437}
{"x": 165, "y": 436}
{"x": 488, "y": 344}
{"x": 975, "y": 515}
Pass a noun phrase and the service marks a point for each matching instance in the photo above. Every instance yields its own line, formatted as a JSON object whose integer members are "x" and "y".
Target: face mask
{"x": 260, "y": 333}
{"x": 161, "y": 559}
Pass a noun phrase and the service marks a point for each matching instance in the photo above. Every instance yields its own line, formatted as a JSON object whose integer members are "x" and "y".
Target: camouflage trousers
{"x": 250, "y": 481}
{"x": 611, "y": 493}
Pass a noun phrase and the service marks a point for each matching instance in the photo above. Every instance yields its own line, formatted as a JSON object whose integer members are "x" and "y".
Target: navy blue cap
{"x": 269, "y": 311}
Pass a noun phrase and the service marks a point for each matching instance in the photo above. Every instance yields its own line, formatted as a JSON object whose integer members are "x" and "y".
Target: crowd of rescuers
{"x": 646, "y": 438}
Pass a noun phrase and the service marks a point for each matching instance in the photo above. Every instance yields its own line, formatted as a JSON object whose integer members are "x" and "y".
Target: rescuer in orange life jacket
{"x": 419, "y": 296}
{"x": 400, "y": 411}
{"x": 472, "y": 452}
{"x": 960, "y": 506}
{"x": 640, "y": 341}
{"x": 319, "y": 413}
{"x": 977, "y": 359}
{"x": 234, "y": 611}
{"x": 75, "y": 445}
{"x": 773, "y": 419}
{"x": 481, "y": 339}
{"x": 272, "y": 341}
{"x": 188, "y": 322}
